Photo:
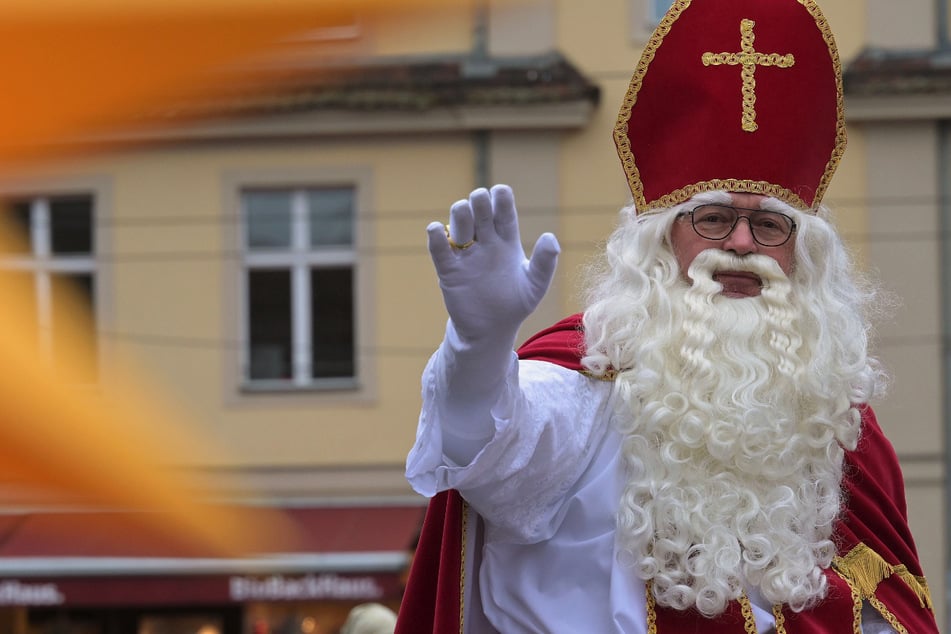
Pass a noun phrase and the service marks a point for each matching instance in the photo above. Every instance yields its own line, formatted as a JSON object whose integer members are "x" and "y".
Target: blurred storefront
{"x": 64, "y": 573}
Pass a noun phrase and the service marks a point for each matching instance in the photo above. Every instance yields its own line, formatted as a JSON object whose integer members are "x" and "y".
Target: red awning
{"x": 112, "y": 534}
{"x": 350, "y": 553}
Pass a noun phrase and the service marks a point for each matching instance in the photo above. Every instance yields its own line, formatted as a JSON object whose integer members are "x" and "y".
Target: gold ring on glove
{"x": 454, "y": 245}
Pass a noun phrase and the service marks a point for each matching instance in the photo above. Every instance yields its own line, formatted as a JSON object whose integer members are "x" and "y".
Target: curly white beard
{"x": 735, "y": 412}
{"x": 734, "y": 464}
{"x": 734, "y": 471}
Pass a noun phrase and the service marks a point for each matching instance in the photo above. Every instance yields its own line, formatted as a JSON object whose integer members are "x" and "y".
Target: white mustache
{"x": 709, "y": 261}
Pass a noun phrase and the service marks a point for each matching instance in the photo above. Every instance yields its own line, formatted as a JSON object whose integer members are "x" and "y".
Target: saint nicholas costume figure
{"x": 696, "y": 451}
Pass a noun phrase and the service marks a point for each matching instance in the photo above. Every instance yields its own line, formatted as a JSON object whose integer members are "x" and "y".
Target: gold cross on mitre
{"x": 749, "y": 59}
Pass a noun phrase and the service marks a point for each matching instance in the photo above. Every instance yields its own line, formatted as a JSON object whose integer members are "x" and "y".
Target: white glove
{"x": 489, "y": 288}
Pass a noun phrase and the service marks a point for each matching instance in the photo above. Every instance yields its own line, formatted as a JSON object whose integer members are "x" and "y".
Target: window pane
{"x": 269, "y": 324}
{"x": 16, "y": 219}
{"x": 332, "y": 336}
{"x": 331, "y": 216}
{"x": 73, "y": 326}
{"x": 71, "y": 224}
{"x": 268, "y": 219}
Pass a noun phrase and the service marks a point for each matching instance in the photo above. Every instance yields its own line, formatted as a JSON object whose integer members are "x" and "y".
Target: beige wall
{"x": 903, "y": 247}
{"x": 520, "y": 28}
{"x": 848, "y": 21}
{"x": 909, "y": 24}
{"x": 898, "y": 151}
{"x": 426, "y": 28}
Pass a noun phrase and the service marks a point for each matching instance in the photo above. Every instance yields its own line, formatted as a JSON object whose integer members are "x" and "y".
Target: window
{"x": 298, "y": 285}
{"x": 50, "y": 259}
{"x": 656, "y": 10}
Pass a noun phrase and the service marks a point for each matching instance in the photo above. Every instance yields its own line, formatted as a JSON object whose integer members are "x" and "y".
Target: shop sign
{"x": 145, "y": 590}
{"x": 309, "y": 587}
{"x": 14, "y": 592}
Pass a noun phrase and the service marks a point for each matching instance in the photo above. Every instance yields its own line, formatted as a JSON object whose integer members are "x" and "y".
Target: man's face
{"x": 687, "y": 243}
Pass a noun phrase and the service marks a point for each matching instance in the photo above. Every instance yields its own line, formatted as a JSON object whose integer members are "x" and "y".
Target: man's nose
{"x": 740, "y": 240}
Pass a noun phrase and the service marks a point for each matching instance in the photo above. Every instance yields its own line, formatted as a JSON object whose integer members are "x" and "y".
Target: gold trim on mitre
{"x": 727, "y": 184}
{"x": 628, "y": 162}
{"x": 841, "y": 137}
{"x": 630, "y": 98}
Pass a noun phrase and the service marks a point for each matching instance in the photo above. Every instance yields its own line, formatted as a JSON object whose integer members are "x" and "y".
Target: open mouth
{"x": 739, "y": 283}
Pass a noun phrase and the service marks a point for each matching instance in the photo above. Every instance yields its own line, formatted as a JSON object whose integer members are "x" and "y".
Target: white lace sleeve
{"x": 548, "y": 421}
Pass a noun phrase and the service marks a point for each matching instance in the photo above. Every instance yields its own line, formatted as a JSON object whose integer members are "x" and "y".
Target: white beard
{"x": 734, "y": 461}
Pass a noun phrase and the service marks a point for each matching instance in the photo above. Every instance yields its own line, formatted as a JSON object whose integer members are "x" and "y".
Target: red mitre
{"x": 738, "y": 95}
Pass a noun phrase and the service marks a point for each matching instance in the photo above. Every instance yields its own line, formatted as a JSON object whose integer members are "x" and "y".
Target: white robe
{"x": 547, "y": 486}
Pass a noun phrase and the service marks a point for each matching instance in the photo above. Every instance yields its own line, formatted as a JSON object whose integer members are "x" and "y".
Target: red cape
{"x": 877, "y": 561}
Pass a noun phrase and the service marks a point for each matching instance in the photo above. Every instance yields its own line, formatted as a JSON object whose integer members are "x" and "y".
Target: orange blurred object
{"x": 73, "y": 67}
{"x": 114, "y": 444}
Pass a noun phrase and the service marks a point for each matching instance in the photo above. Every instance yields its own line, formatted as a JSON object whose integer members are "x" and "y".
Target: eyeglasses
{"x": 717, "y": 222}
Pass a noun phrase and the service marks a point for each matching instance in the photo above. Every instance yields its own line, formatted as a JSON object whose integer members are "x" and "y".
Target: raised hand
{"x": 489, "y": 286}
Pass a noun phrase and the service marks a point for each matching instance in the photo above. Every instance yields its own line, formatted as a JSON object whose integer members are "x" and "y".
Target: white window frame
{"x": 300, "y": 258}
{"x": 362, "y": 387}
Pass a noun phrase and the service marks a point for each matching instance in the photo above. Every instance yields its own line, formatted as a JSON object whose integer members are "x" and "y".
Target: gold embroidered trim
{"x": 630, "y": 98}
{"x": 856, "y": 603}
{"x": 462, "y": 570}
{"x": 748, "y": 58}
{"x": 887, "y": 615}
{"x": 780, "y": 619}
{"x": 727, "y": 184}
{"x": 745, "y": 608}
{"x": 747, "y": 611}
{"x": 865, "y": 568}
{"x": 651, "y": 608}
{"x": 609, "y": 375}
{"x": 841, "y": 137}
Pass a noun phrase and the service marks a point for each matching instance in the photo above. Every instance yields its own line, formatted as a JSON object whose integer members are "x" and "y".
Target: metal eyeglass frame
{"x": 792, "y": 223}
